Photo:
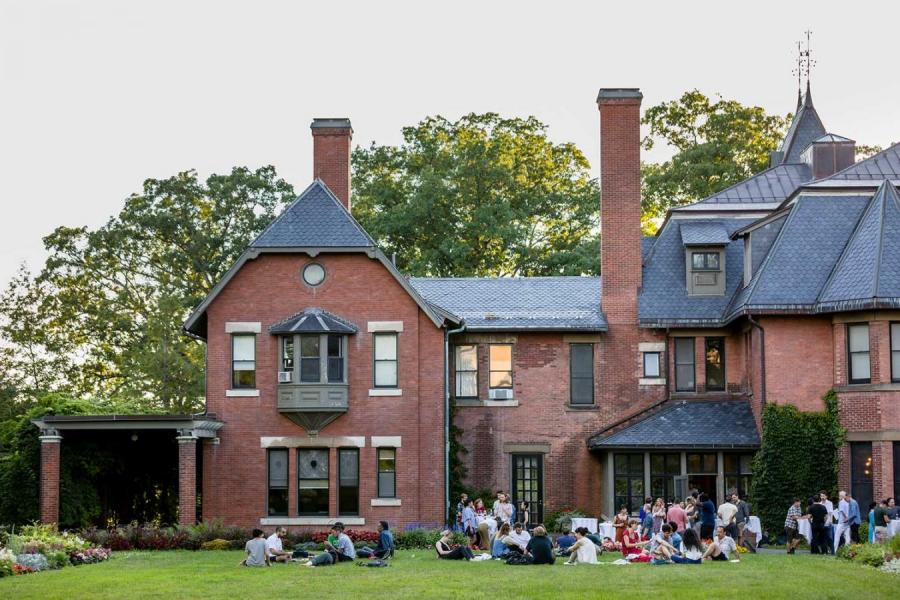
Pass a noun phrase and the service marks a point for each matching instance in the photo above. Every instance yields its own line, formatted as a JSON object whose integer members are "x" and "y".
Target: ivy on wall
{"x": 798, "y": 457}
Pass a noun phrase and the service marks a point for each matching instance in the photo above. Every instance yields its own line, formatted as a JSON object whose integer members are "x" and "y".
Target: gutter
{"x": 762, "y": 357}
{"x": 447, "y": 334}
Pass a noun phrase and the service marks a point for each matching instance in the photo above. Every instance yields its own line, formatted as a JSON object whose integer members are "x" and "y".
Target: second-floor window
{"x": 467, "y": 371}
{"x": 652, "y": 366}
{"x": 684, "y": 365}
{"x": 715, "y": 363}
{"x": 858, "y": 349}
{"x": 581, "y": 374}
{"x": 385, "y": 360}
{"x": 895, "y": 353}
{"x": 243, "y": 361}
{"x": 501, "y": 366}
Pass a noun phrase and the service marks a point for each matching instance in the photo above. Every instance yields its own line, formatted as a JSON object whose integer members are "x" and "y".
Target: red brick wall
{"x": 187, "y": 481}
{"x": 331, "y": 160}
{"x": 799, "y": 360}
{"x": 358, "y": 289}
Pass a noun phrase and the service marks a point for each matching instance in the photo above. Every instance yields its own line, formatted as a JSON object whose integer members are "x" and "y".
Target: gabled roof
{"x": 704, "y": 233}
{"x": 869, "y": 268}
{"x": 314, "y": 223}
{"x": 703, "y": 425}
{"x": 314, "y": 320}
{"x": 518, "y": 303}
{"x": 664, "y": 298}
{"x": 806, "y": 127}
{"x": 315, "y": 219}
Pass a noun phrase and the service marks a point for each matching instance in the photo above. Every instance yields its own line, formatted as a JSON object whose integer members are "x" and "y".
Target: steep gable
{"x": 806, "y": 127}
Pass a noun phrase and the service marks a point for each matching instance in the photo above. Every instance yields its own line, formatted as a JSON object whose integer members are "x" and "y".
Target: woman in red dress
{"x": 631, "y": 538}
{"x": 620, "y": 522}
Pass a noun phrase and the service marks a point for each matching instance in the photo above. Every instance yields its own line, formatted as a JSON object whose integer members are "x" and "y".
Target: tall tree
{"x": 717, "y": 143}
{"x": 113, "y": 299}
{"x": 479, "y": 196}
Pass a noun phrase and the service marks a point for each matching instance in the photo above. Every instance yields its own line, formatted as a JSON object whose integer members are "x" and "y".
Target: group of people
{"x": 472, "y": 517}
{"x": 830, "y": 528}
{"x": 262, "y": 551}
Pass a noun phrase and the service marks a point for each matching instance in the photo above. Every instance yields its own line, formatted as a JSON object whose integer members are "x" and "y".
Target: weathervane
{"x": 805, "y": 62}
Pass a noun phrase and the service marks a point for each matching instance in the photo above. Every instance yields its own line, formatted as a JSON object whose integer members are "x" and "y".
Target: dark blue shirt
{"x": 565, "y": 541}
{"x": 385, "y": 541}
{"x": 708, "y": 513}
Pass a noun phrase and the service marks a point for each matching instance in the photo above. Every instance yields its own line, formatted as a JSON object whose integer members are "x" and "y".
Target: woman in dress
{"x": 448, "y": 552}
{"x": 631, "y": 538}
{"x": 620, "y": 522}
{"x": 523, "y": 514}
{"x": 583, "y": 550}
{"x": 872, "y": 522}
{"x": 479, "y": 507}
{"x": 659, "y": 515}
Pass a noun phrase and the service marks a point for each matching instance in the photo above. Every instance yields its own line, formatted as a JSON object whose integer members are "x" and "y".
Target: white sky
{"x": 97, "y": 96}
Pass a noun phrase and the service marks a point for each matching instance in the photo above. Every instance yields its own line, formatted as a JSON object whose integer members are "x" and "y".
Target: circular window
{"x": 313, "y": 274}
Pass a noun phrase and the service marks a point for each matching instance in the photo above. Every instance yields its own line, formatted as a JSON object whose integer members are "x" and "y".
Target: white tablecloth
{"x": 591, "y": 524}
{"x": 805, "y": 529}
{"x": 606, "y": 530}
{"x": 893, "y": 527}
{"x": 755, "y": 526}
{"x": 491, "y": 523}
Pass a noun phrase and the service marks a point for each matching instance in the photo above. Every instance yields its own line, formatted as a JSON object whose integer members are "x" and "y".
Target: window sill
{"x": 867, "y": 387}
{"x": 242, "y": 393}
{"x": 375, "y": 392}
{"x": 581, "y": 407}
{"x": 386, "y": 502}
{"x": 311, "y": 520}
{"x": 477, "y": 402}
{"x": 652, "y": 381}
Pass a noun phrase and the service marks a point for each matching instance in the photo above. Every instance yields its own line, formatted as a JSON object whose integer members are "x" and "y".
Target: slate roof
{"x": 316, "y": 219}
{"x": 769, "y": 187}
{"x": 704, "y": 233}
{"x": 508, "y": 303}
{"x": 869, "y": 268}
{"x": 806, "y": 127}
{"x": 664, "y": 297}
{"x": 884, "y": 165}
{"x": 706, "y": 425}
{"x": 314, "y": 320}
{"x": 647, "y": 242}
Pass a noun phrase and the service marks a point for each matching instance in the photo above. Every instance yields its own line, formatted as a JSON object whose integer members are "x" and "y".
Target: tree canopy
{"x": 717, "y": 143}
{"x": 483, "y": 195}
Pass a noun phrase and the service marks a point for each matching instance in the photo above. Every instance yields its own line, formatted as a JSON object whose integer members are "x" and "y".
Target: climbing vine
{"x": 798, "y": 457}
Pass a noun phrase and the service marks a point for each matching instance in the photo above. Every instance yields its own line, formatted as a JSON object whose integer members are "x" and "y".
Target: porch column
{"x": 187, "y": 478}
{"x": 50, "y": 440}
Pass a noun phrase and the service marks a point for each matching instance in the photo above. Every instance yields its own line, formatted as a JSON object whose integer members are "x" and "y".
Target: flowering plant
{"x": 89, "y": 556}
{"x": 20, "y": 570}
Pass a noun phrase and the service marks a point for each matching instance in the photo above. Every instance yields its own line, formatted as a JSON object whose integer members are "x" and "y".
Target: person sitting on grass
{"x": 539, "y": 548}
{"x": 583, "y": 551}
{"x": 518, "y": 539}
{"x": 448, "y": 552}
{"x": 690, "y": 550}
{"x": 339, "y": 550}
{"x": 564, "y": 542}
{"x": 661, "y": 548}
{"x": 385, "y": 547}
{"x": 257, "y": 555}
{"x": 722, "y": 547}
{"x": 275, "y": 547}
{"x": 675, "y": 538}
{"x": 498, "y": 548}
{"x": 631, "y": 538}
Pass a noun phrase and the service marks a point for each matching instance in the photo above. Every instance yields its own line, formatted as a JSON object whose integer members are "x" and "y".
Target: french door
{"x": 528, "y": 485}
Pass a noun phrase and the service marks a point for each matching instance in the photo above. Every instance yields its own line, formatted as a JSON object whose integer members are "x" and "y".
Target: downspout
{"x": 762, "y": 357}
{"x": 447, "y": 334}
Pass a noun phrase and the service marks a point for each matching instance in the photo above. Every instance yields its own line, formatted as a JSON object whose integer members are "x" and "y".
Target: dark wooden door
{"x": 528, "y": 485}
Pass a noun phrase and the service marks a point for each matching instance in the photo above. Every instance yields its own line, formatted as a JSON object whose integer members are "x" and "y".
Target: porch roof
{"x": 200, "y": 426}
{"x": 719, "y": 425}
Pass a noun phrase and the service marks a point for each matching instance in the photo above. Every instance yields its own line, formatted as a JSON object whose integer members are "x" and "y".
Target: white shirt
{"x": 727, "y": 510}
{"x": 520, "y": 538}
{"x": 693, "y": 554}
{"x": 273, "y": 543}
{"x": 830, "y": 506}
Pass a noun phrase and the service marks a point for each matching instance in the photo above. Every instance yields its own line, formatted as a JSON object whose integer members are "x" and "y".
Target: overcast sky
{"x": 95, "y": 97}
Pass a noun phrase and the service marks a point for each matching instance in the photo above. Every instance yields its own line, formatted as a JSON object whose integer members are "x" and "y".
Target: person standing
{"x": 620, "y": 522}
{"x": 677, "y": 515}
{"x": 659, "y": 515}
{"x": 871, "y": 517}
{"x": 818, "y": 513}
{"x": 741, "y": 518}
{"x": 792, "y": 527}
{"x": 727, "y": 513}
{"x": 470, "y": 522}
{"x": 503, "y": 508}
{"x": 881, "y": 521}
{"x": 842, "y": 533}
{"x": 645, "y": 508}
{"x": 707, "y": 517}
{"x": 854, "y": 518}
{"x": 460, "y": 506}
{"x": 829, "y": 521}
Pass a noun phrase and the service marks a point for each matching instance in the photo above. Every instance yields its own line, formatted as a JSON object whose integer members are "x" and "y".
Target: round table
{"x": 893, "y": 528}
{"x": 755, "y": 526}
{"x": 606, "y": 530}
{"x": 591, "y": 524}
{"x": 805, "y": 529}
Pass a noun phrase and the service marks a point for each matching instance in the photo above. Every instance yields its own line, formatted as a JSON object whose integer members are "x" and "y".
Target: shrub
{"x": 7, "y": 561}
{"x": 895, "y": 545}
{"x": 57, "y": 559}
{"x": 562, "y": 518}
{"x": 422, "y": 539}
{"x": 35, "y": 562}
{"x": 216, "y": 545}
{"x": 864, "y": 531}
{"x": 871, "y": 555}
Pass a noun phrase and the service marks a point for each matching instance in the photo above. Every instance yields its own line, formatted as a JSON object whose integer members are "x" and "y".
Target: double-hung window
{"x": 858, "y": 350}
{"x": 386, "y": 360}
{"x": 309, "y": 359}
{"x": 243, "y": 361}
{"x": 467, "y": 371}
{"x": 652, "y": 365}
{"x": 387, "y": 472}
{"x": 684, "y": 364}
{"x": 348, "y": 481}
{"x": 895, "y": 358}
{"x": 715, "y": 364}
{"x": 287, "y": 354}
{"x": 501, "y": 366}
{"x": 581, "y": 374}
{"x": 312, "y": 473}
{"x": 278, "y": 482}
{"x": 321, "y": 357}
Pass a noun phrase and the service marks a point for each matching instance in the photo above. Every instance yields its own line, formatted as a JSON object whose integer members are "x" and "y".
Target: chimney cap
{"x": 331, "y": 123}
{"x": 619, "y": 94}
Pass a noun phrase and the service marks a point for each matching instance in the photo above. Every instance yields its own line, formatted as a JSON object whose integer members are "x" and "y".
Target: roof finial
{"x": 798, "y": 71}
{"x": 809, "y": 63}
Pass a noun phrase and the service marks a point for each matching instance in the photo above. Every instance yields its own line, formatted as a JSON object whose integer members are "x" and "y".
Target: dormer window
{"x": 705, "y": 261}
{"x": 706, "y": 271}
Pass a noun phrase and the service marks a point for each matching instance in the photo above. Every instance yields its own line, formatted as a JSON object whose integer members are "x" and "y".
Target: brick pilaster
{"x": 50, "y": 447}
{"x": 187, "y": 479}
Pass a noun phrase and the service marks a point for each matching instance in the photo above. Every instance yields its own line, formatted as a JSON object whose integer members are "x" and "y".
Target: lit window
{"x": 501, "y": 366}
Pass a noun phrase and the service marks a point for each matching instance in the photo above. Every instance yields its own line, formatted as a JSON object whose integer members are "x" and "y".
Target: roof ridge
{"x": 887, "y": 189}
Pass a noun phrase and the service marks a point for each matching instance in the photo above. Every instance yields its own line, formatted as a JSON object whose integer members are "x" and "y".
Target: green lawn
{"x": 418, "y": 574}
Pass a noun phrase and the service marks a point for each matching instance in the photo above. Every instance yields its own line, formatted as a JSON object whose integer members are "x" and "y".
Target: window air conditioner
{"x": 500, "y": 394}
{"x": 284, "y": 376}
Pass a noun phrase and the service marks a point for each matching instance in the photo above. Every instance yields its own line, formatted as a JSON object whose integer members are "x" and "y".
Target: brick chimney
{"x": 620, "y": 204}
{"x": 331, "y": 155}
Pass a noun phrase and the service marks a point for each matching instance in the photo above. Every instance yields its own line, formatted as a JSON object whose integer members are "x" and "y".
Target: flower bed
{"x": 37, "y": 548}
